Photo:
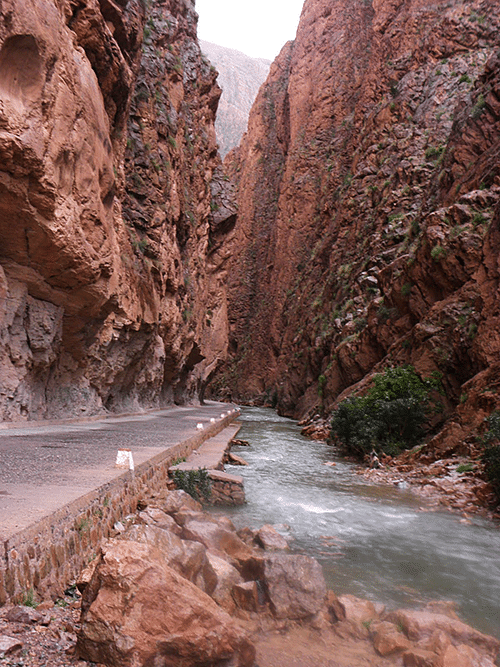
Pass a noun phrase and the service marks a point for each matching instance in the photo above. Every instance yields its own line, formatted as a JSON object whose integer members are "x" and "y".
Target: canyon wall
{"x": 368, "y": 225}
{"x": 113, "y": 208}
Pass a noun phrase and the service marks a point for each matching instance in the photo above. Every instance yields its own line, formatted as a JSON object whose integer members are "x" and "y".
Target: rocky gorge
{"x": 112, "y": 209}
{"x": 355, "y": 227}
{"x": 368, "y": 213}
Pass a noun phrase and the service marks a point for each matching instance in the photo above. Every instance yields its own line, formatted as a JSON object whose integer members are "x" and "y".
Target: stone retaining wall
{"x": 226, "y": 489}
{"x": 48, "y": 555}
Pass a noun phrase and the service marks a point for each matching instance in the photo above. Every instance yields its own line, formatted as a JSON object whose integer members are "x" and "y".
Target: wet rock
{"x": 235, "y": 460}
{"x": 269, "y": 539}
{"x": 138, "y": 610}
{"x": 295, "y": 585}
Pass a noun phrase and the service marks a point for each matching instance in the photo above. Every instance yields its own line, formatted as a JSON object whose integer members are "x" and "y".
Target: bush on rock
{"x": 389, "y": 418}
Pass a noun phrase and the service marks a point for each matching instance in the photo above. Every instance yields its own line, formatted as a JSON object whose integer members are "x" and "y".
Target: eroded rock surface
{"x": 369, "y": 211}
{"x": 112, "y": 265}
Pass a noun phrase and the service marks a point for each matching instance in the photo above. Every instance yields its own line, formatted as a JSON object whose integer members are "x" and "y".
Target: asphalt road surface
{"x": 44, "y": 466}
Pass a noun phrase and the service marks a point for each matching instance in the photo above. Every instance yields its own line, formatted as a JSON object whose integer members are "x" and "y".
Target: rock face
{"x": 145, "y": 613}
{"x": 240, "y": 78}
{"x": 369, "y": 209}
{"x": 111, "y": 261}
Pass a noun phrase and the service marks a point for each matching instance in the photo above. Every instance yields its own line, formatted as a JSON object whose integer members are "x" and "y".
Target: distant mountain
{"x": 240, "y": 78}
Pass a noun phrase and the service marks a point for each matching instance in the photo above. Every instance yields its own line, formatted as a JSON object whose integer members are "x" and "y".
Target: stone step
{"x": 227, "y": 489}
{"x": 210, "y": 454}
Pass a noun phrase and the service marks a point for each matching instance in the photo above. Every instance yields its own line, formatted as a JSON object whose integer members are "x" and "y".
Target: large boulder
{"x": 421, "y": 625}
{"x": 226, "y": 577}
{"x": 270, "y": 540}
{"x": 175, "y": 501}
{"x": 138, "y": 611}
{"x": 189, "y": 559}
{"x": 218, "y": 539}
{"x": 295, "y": 585}
{"x": 153, "y": 516}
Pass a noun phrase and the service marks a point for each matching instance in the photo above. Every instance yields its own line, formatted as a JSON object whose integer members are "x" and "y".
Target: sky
{"x": 258, "y": 28}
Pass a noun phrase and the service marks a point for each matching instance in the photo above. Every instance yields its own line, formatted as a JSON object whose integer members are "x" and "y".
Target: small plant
{"x": 29, "y": 599}
{"x": 472, "y": 330}
{"x": 406, "y": 289}
{"x": 438, "y": 253}
{"x": 195, "y": 482}
{"x": 321, "y": 385}
{"x": 179, "y": 460}
{"x": 465, "y": 78}
{"x": 478, "y": 107}
{"x": 83, "y": 525}
{"x": 478, "y": 218}
{"x": 434, "y": 152}
{"x": 465, "y": 467}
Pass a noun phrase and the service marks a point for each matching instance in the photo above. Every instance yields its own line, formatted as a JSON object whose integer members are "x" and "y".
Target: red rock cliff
{"x": 369, "y": 208}
{"x": 111, "y": 260}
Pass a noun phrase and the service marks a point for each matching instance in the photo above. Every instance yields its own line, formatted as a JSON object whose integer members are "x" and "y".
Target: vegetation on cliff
{"x": 389, "y": 418}
{"x": 369, "y": 211}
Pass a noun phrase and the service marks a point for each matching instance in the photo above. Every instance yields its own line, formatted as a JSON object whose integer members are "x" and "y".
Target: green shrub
{"x": 491, "y": 455}
{"x": 389, "y": 418}
{"x": 195, "y": 482}
{"x": 29, "y": 599}
{"x": 321, "y": 385}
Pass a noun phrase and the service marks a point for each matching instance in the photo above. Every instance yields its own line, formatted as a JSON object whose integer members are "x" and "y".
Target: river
{"x": 376, "y": 542}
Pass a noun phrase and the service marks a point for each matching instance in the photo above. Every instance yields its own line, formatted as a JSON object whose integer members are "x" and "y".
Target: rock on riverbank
{"x": 178, "y": 586}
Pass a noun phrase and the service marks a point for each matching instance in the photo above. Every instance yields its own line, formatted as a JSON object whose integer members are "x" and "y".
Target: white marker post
{"x": 124, "y": 459}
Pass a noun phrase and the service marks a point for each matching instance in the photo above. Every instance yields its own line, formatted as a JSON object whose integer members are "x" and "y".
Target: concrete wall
{"x": 48, "y": 555}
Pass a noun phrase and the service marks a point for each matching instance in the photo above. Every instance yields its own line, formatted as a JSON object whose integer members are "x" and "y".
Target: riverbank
{"x": 261, "y": 606}
{"x": 450, "y": 483}
{"x": 454, "y": 482}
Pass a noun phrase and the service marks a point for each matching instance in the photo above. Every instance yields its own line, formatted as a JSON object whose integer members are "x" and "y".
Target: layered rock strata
{"x": 369, "y": 210}
{"x": 112, "y": 208}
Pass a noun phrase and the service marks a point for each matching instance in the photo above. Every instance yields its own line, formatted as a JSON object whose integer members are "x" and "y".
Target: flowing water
{"x": 376, "y": 542}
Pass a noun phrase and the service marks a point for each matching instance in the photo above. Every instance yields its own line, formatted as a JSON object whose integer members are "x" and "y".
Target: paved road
{"x": 47, "y": 465}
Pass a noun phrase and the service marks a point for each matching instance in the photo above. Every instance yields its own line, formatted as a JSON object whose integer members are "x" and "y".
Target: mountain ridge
{"x": 240, "y": 77}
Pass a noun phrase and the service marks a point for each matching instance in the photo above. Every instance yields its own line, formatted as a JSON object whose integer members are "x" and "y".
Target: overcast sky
{"x": 258, "y": 28}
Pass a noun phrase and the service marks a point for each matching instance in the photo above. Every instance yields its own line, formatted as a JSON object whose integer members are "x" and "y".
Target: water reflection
{"x": 372, "y": 541}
